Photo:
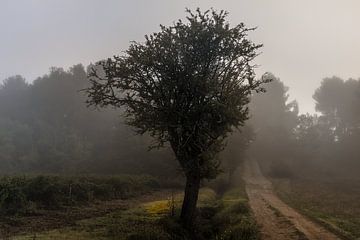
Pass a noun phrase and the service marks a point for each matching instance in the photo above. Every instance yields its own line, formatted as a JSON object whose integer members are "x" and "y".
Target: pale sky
{"x": 304, "y": 41}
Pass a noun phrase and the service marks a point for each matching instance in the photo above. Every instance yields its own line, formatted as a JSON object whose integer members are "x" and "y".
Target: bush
{"x": 46, "y": 191}
{"x": 12, "y": 199}
{"x": 53, "y": 192}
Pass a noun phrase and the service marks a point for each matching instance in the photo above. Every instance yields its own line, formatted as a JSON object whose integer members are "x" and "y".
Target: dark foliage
{"x": 187, "y": 85}
{"x": 45, "y": 127}
{"x": 23, "y": 194}
{"x": 304, "y": 146}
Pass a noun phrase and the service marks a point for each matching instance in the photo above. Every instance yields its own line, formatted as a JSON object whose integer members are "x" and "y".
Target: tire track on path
{"x": 278, "y": 221}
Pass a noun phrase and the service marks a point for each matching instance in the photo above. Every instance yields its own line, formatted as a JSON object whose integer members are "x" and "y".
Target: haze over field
{"x": 305, "y": 41}
{"x": 179, "y": 120}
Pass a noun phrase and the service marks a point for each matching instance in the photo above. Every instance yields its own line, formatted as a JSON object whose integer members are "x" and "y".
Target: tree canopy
{"x": 188, "y": 85}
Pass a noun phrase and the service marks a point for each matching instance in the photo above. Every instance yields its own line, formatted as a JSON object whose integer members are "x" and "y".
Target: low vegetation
{"x": 26, "y": 194}
{"x": 220, "y": 217}
{"x": 333, "y": 203}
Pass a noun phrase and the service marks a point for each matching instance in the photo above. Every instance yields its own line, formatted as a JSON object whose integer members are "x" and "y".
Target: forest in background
{"x": 46, "y": 127}
{"x": 289, "y": 144}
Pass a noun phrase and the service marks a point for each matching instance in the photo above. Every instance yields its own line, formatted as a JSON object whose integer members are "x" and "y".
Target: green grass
{"x": 235, "y": 217}
{"x": 220, "y": 218}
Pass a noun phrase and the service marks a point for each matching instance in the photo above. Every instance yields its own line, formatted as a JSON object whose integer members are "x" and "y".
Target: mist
{"x": 304, "y": 41}
{"x": 260, "y": 140}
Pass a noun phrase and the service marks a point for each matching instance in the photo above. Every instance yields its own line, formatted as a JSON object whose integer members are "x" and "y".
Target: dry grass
{"x": 226, "y": 217}
{"x": 333, "y": 203}
{"x": 122, "y": 223}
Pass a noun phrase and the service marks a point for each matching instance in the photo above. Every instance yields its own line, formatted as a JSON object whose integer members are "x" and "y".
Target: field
{"x": 35, "y": 203}
{"x": 333, "y": 203}
{"x": 122, "y": 207}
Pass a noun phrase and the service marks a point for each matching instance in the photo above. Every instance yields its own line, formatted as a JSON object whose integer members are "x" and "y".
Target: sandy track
{"x": 278, "y": 221}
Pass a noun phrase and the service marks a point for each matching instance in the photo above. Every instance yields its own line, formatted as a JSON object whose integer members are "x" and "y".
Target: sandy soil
{"x": 278, "y": 221}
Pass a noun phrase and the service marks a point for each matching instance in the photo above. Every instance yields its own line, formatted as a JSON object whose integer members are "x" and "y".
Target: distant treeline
{"x": 289, "y": 144}
{"x": 46, "y": 127}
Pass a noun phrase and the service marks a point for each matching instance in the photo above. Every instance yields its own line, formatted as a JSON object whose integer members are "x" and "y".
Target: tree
{"x": 13, "y": 97}
{"x": 235, "y": 151}
{"x": 273, "y": 118}
{"x": 339, "y": 100}
{"x": 187, "y": 85}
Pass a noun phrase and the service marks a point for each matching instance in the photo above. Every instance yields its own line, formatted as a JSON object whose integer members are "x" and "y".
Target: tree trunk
{"x": 188, "y": 210}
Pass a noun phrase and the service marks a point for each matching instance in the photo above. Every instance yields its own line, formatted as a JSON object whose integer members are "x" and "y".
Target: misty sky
{"x": 304, "y": 41}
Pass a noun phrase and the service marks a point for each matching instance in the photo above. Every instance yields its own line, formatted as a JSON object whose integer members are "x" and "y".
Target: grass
{"x": 117, "y": 225}
{"x": 335, "y": 204}
{"x": 219, "y": 217}
{"x": 235, "y": 219}
{"x": 31, "y": 204}
{"x": 140, "y": 222}
{"x": 24, "y": 194}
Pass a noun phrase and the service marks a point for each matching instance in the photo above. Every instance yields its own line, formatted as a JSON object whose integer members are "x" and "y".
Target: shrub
{"x": 12, "y": 199}
{"x": 53, "y": 192}
{"x": 45, "y": 190}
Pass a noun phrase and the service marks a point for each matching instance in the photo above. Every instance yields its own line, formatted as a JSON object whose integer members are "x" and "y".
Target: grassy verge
{"x": 333, "y": 204}
{"x": 219, "y": 217}
{"x": 235, "y": 219}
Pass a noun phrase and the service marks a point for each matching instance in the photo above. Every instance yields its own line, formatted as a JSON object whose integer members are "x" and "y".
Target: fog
{"x": 259, "y": 123}
{"x": 305, "y": 41}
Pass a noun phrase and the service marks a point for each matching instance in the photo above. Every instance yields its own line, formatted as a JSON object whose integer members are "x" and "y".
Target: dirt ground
{"x": 278, "y": 221}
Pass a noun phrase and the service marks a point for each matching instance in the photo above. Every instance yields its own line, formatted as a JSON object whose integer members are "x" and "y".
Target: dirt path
{"x": 278, "y": 221}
